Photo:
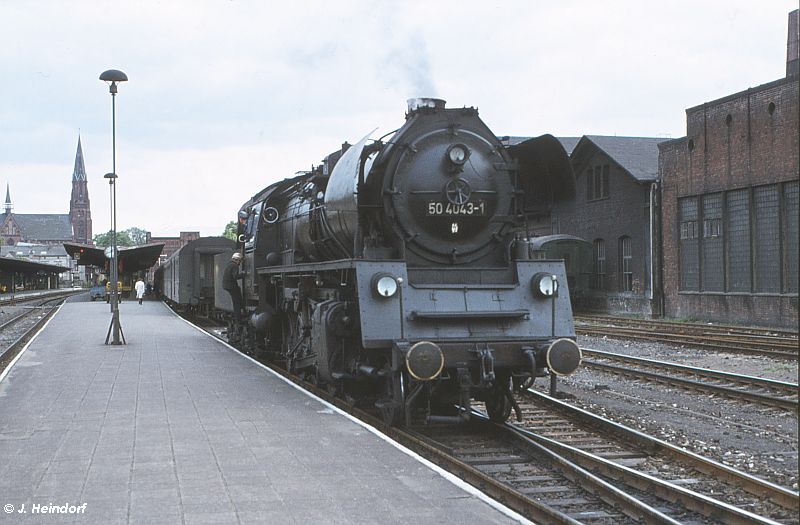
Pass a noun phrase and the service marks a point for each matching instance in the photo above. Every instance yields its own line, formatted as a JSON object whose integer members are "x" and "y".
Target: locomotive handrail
{"x": 468, "y": 314}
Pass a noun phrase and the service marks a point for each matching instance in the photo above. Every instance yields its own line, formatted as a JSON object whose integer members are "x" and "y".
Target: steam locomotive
{"x": 399, "y": 271}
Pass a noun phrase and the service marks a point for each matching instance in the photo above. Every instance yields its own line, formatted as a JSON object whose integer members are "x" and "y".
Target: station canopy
{"x": 8, "y": 265}
{"x": 131, "y": 258}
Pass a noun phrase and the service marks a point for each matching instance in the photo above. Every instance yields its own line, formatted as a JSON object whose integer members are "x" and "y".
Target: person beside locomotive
{"x": 230, "y": 283}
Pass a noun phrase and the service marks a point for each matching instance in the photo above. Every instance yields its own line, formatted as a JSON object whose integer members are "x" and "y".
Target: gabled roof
{"x": 636, "y": 155}
{"x": 44, "y": 226}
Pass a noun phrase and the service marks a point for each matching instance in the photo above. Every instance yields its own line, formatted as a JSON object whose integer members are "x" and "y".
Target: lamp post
{"x": 113, "y": 77}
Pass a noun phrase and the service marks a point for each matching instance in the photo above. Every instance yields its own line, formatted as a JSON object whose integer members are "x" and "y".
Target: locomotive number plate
{"x": 449, "y": 209}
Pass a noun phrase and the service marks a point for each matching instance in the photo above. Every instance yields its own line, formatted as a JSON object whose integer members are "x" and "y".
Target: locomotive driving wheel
{"x": 392, "y": 405}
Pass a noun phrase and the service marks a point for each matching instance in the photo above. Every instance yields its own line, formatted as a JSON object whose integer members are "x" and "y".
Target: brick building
{"x": 616, "y": 181}
{"x": 730, "y": 205}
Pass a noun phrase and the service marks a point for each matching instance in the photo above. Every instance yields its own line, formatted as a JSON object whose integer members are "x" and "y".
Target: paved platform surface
{"x": 177, "y": 428}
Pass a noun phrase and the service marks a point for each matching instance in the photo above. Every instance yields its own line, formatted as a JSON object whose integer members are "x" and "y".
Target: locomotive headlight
{"x": 384, "y": 285}
{"x": 458, "y": 154}
{"x": 544, "y": 285}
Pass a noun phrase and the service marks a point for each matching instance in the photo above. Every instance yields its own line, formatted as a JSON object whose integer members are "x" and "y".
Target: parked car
{"x": 97, "y": 292}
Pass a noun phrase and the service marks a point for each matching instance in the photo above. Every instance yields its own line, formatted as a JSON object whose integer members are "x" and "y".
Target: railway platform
{"x": 176, "y": 427}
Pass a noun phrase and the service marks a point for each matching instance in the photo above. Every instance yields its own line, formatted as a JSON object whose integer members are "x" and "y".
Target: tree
{"x": 104, "y": 239}
{"x": 230, "y": 231}
{"x": 138, "y": 236}
{"x": 130, "y": 237}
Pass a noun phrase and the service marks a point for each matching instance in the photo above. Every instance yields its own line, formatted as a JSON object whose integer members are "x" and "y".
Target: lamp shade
{"x": 114, "y": 75}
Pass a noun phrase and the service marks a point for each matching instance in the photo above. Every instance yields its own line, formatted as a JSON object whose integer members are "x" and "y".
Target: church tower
{"x": 79, "y": 214}
{"x": 9, "y": 206}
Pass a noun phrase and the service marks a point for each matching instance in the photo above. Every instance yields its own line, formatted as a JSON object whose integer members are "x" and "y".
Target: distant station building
{"x": 730, "y": 205}
{"x": 52, "y": 228}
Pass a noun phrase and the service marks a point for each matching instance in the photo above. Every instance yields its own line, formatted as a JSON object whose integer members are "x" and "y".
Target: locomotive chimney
{"x": 793, "y": 45}
{"x": 415, "y": 104}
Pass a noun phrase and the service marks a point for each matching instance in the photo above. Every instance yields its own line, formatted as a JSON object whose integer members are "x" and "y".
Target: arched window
{"x": 599, "y": 251}
{"x": 626, "y": 266}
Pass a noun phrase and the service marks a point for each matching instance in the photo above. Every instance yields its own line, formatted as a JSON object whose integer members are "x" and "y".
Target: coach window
{"x": 599, "y": 250}
{"x": 626, "y": 266}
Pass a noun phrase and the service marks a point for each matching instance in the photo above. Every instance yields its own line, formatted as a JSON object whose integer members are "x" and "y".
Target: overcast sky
{"x": 226, "y": 97}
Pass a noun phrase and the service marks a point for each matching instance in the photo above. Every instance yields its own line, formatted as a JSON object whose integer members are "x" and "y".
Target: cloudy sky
{"x": 226, "y": 97}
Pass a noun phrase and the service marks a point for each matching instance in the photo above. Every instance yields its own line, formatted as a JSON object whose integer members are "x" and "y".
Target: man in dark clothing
{"x": 230, "y": 282}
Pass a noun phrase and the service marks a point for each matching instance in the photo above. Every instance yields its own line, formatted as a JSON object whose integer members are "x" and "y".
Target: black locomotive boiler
{"x": 399, "y": 273}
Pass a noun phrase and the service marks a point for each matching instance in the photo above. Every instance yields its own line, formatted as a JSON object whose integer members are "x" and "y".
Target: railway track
{"x": 760, "y": 390}
{"x": 16, "y": 331}
{"x": 754, "y": 333}
{"x": 556, "y": 420}
{"x": 781, "y": 345}
{"x": 564, "y": 465}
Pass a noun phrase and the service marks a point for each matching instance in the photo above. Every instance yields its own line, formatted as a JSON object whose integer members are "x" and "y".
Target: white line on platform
{"x": 436, "y": 468}
{"x": 16, "y": 358}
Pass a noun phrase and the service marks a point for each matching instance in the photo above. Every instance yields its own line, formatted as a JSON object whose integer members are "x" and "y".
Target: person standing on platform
{"x": 230, "y": 283}
{"x": 139, "y": 287}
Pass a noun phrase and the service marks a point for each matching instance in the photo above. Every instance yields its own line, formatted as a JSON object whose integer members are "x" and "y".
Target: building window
{"x": 689, "y": 230}
{"x": 597, "y": 182}
{"x": 767, "y": 255}
{"x": 599, "y": 248}
{"x": 712, "y": 228}
{"x": 748, "y": 244}
{"x": 737, "y": 218}
{"x": 626, "y": 266}
{"x": 712, "y": 244}
{"x": 791, "y": 210}
{"x": 688, "y": 246}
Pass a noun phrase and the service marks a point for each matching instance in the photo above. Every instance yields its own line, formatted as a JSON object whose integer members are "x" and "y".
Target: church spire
{"x": 9, "y": 206}
{"x": 79, "y": 173}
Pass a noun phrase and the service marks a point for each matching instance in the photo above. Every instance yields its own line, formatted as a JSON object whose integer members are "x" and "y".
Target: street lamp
{"x": 112, "y": 77}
